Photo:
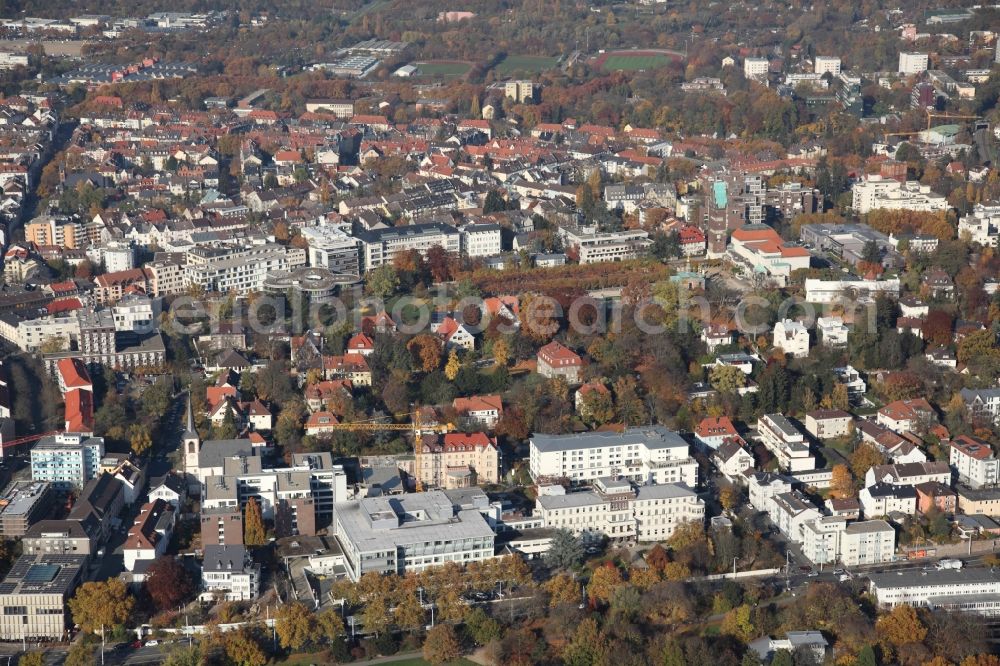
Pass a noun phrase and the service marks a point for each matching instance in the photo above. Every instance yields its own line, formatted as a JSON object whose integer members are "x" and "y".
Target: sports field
{"x": 525, "y": 63}
{"x": 631, "y": 62}
{"x": 443, "y": 68}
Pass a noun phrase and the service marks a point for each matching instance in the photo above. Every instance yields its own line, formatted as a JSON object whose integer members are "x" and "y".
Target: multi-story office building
{"x": 756, "y": 68}
{"x": 912, "y": 63}
{"x": 786, "y": 442}
{"x": 34, "y": 596}
{"x": 410, "y": 533}
{"x": 824, "y": 64}
{"x": 230, "y": 572}
{"x": 332, "y": 247}
{"x": 617, "y": 510}
{"x": 380, "y": 246}
{"x": 67, "y": 460}
{"x": 650, "y": 454}
{"x": 239, "y": 270}
{"x": 876, "y": 192}
{"x": 295, "y": 497}
{"x": 592, "y": 246}
{"x": 481, "y": 240}
{"x": 165, "y": 277}
{"x": 22, "y": 505}
{"x": 970, "y": 590}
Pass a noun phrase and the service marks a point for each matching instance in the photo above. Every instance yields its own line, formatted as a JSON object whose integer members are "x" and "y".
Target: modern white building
{"x": 827, "y": 64}
{"x": 229, "y": 572}
{"x": 481, "y": 240}
{"x": 310, "y": 476}
{"x": 982, "y": 225}
{"x": 829, "y": 291}
{"x": 410, "y": 533}
{"x": 332, "y": 247}
{"x": 617, "y": 510}
{"x": 762, "y": 487}
{"x": 974, "y": 461}
{"x": 831, "y": 331}
{"x": 912, "y": 63}
{"x": 650, "y": 454}
{"x": 867, "y": 542}
{"x": 755, "y": 68}
{"x": 876, "y": 192}
{"x": 973, "y": 590}
{"x": 786, "y": 442}
{"x": 593, "y": 246}
{"x": 791, "y": 337}
{"x": 240, "y": 271}
{"x": 882, "y": 499}
{"x": 380, "y": 246}
{"x": 67, "y": 460}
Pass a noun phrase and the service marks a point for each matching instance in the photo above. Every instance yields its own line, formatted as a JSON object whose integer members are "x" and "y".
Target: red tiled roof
{"x": 79, "y": 411}
{"x": 73, "y": 374}
{"x": 478, "y": 403}
{"x": 557, "y": 353}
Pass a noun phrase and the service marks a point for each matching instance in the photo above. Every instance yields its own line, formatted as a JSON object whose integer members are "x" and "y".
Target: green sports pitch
{"x": 443, "y": 69}
{"x": 631, "y": 62}
{"x": 525, "y": 63}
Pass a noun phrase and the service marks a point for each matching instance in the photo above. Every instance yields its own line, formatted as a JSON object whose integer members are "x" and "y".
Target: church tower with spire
{"x": 191, "y": 442}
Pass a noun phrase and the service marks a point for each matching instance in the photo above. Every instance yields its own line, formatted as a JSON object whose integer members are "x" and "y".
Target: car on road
{"x": 152, "y": 643}
{"x": 839, "y": 572}
{"x": 136, "y": 644}
{"x": 813, "y": 574}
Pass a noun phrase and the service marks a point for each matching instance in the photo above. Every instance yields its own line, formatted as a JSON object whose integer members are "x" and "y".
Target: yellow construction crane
{"x": 954, "y": 116}
{"x": 415, "y": 426}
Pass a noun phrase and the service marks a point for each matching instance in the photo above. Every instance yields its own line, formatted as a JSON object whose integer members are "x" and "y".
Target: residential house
{"x": 934, "y": 494}
{"x": 229, "y": 572}
{"x": 792, "y": 338}
{"x": 714, "y": 431}
{"x": 974, "y": 461}
{"x": 882, "y": 499}
{"x": 829, "y": 423}
{"x": 479, "y": 411}
{"x": 557, "y": 360}
{"x": 732, "y": 459}
{"x": 903, "y": 416}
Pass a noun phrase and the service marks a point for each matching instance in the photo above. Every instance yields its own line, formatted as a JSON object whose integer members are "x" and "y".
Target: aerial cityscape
{"x": 635, "y": 333}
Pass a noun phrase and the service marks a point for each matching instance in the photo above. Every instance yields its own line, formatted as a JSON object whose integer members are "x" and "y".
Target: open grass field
{"x": 631, "y": 62}
{"x": 445, "y": 69}
{"x": 413, "y": 661}
{"x": 525, "y": 63}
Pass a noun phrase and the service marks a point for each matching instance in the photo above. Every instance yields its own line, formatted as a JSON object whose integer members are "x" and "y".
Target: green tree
{"x": 739, "y": 623}
{"x": 382, "y": 282}
{"x": 226, "y": 429}
{"x": 565, "y": 551}
{"x": 254, "y": 533}
{"x": 182, "y": 655}
{"x": 441, "y": 645}
{"x": 482, "y": 628}
{"x": 727, "y": 378}
{"x": 329, "y": 625}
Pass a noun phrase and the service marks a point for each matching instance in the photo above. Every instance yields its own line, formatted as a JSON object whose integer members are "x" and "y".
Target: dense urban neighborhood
{"x": 502, "y": 333}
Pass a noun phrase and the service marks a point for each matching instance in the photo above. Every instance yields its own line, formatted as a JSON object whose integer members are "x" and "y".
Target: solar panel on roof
{"x": 41, "y": 573}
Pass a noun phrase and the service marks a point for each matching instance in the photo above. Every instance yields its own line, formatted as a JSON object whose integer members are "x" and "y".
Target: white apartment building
{"x": 882, "y": 499}
{"x": 790, "y": 512}
{"x": 136, "y": 313}
{"x": 974, "y": 461}
{"x": 791, "y": 337}
{"x": 650, "y": 454}
{"x": 310, "y": 476}
{"x": 755, "y": 68}
{"x": 762, "y": 487}
{"x": 117, "y": 257}
{"x": 912, "y": 63}
{"x": 982, "y": 404}
{"x": 867, "y": 542}
{"x": 332, "y": 247}
{"x": 786, "y": 442}
{"x": 240, "y": 271}
{"x": 824, "y": 64}
{"x": 480, "y": 240}
{"x": 31, "y": 334}
{"x": 410, "y": 533}
{"x": 229, "y": 571}
{"x": 829, "y": 291}
{"x": 593, "y": 246}
{"x": 972, "y": 590}
{"x": 909, "y": 474}
{"x": 982, "y": 225}
{"x": 165, "y": 277}
{"x": 876, "y": 192}
{"x": 9, "y": 60}
{"x": 616, "y": 510}
{"x": 831, "y": 331}
{"x": 67, "y": 460}
{"x": 380, "y": 246}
